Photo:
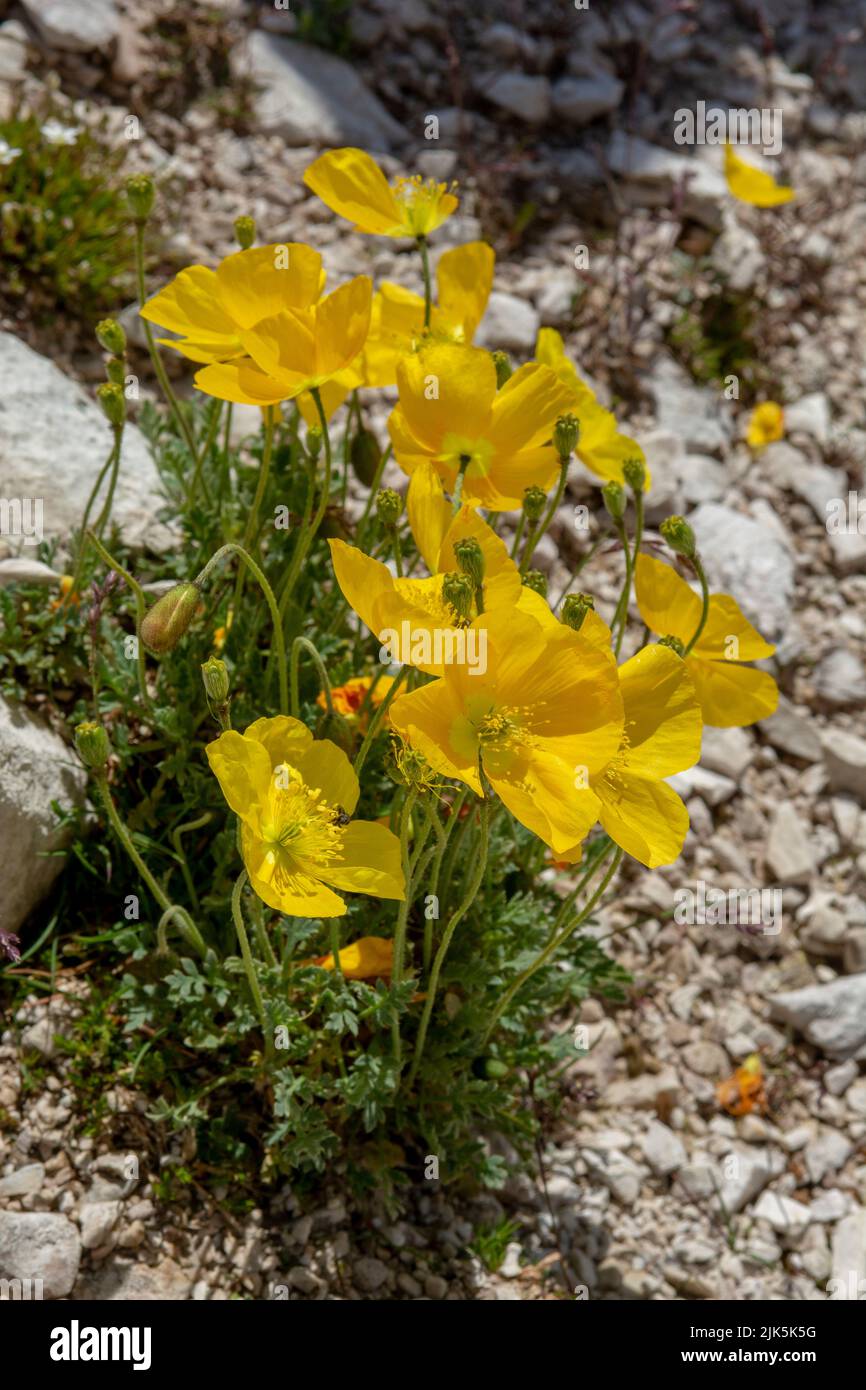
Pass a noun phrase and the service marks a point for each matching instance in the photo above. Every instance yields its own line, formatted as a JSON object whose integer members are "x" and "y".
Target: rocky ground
{"x": 558, "y": 125}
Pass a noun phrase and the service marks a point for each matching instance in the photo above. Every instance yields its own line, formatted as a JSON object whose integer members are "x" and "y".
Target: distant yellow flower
{"x": 464, "y": 278}
{"x": 766, "y": 425}
{"x": 451, "y": 413}
{"x": 600, "y": 447}
{"x": 752, "y": 185}
{"x": 295, "y": 350}
{"x": 545, "y": 718}
{"x": 293, "y": 795}
{"x": 67, "y": 597}
{"x": 729, "y": 693}
{"x": 348, "y": 699}
{"x": 211, "y": 309}
{"x": 350, "y": 183}
{"x": 367, "y": 958}
{"x": 221, "y": 633}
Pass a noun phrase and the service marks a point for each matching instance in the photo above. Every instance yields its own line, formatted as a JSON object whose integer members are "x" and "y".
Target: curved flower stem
{"x": 443, "y": 837}
{"x": 155, "y": 358}
{"x": 376, "y": 722}
{"x": 371, "y": 497}
{"x": 94, "y": 491}
{"x": 190, "y": 931}
{"x": 232, "y": 547}
{"x": 552, "y": 509}
{"x": 310, "y": 527}
{"x": 140, "y": 607}
{"x": 421, "y": 243}
{"x": 253, "y": 516}
{"x": 518, "y": 535}
{"x": 620, "y": 616}
{"x": 247, "y": 956}
{"x": 304, "y": 644}
{"x": 402, "y": 915}
{"x": 453, "y": 922}
{"x": 105, "y": 511}
{"x": 553, "y": 945}
{"x": 630, "y": 563}
{"x": 705, "y": 602}
{"x": 184, "y": 866}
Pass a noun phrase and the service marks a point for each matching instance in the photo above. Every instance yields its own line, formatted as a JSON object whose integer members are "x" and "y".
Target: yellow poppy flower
{"x": 417, "y": 611}
{"x": 766, "y": 425}
{"x": 661, "y": 736}
{"x": 464, "y": 279}
{"x": 211, "y": 308}
{"x": 729, "y": 693}
{"x": 348, "y": 699}
{"x": 350, "y": 183}
{"x": 293, "y": 794}
{"x": 367, "y": 958}
{"x": 752, "y": 185}
{"x": 294, "y": 350}
{"x": 601, "y": 448}
{"x": 547, "y": 711}
{"x": 451, "y": 413}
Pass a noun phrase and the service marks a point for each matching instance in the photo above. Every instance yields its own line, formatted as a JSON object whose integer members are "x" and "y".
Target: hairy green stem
{"x": 253, "y": 515}
{"x": 232, "y": 547}
{"x": 247, "y": 957}
{"x": 705, "y": 602}
{"x": 304, "y": 644}
{"x": 375, "y": 723}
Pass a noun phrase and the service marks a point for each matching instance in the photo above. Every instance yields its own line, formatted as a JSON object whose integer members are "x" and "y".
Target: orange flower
{"x": 744, "y": 1092}
{"x": 348, "y": 699}
{"x": 67, "y": 597}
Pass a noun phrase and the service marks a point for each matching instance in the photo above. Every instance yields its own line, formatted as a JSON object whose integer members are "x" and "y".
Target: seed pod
{"x": 534, "y": 502}
{"x": 679, "y": 536}
{"x": 140, "y": 194}
{"x": 613, "y": 495}
{"x": 111, "y": 336}
{"x": 575, "y": 608}
{"x": 113, "y": 402}
{"x": 245, "y": 232}
{"x": 566, "y": 433}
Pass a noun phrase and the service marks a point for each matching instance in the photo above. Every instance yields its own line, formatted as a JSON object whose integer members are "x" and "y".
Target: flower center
{"x": 303, "y": 831}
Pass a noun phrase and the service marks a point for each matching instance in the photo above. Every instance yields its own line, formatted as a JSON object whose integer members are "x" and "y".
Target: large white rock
{"x": 310, "y": 97}
{"x": 53, "y": 442}
{"x": 38, "y": 768}
{"x": 81, "y": 27}
{"x": 509, "y": 323}
{"x": 655, "y": 173}
{"x": 832, "y": 1017}
{"x": 697, "y": 414}
{"x": 744, "y": 558}
{"x": 39, "y": 1245}
{"x": 845, "y": 760}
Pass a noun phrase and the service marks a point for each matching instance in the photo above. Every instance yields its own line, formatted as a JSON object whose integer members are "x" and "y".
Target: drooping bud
{"x": 566, "y": 433}
{"x": 140, "y": 194}
{"x": 534, "y": 502}
{"x": 459, "y": 591}
{"x": 115, "y": 370}
{"x": 575, "y": 608}
{"x": 215, "y": 675}
{"x": 674, "y": 643}
{"x": 389, "y": 505}
{"x": 679, "y": 536}
{"x": 91, "y": 740}
{"x": 245, "y": 232}
{"x": 113, "y": 402}
{"x": 111, "y": 337}
{"x": 365, "y": 456}
{"x": 470, "y": 559}
{"x": 314, "y": 441}
{"x": 534, "y": 579}
{"x": 166, "y": 622}
{"x": 634, "y": 472}
{"x": 503, "y": 368}
{"x": 613, "y": 495}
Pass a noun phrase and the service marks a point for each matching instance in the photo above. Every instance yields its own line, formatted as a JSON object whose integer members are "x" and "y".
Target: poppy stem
{"x": 82, "y": 544}
{"x": 247, "y": 957}
{"x": 443, "y": 837}
{"x": 705, "y": 601}
{"x": 140, "y": 606}
{"x": 299, "y": 644}
{"x": 402, "y": 915}
{"x": 425, "y": 270}
{"x": 232, "y": 547}
{"x": 453, "y": 922}
{"x": 309, "y": 527}
{"x": 252, "y": 518}
{"x": 374, "y": 488}
{"x": 376, "y": 722}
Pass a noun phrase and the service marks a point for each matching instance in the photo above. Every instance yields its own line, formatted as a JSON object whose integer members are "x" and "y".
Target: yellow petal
{"x": 190, "y": 305}
{"x": 426, "y": 719}
{"x": 350, "y": 183}
{"x": 243, "y": 769}
{"x": 464, "y": 278}
{"x": 644, "y": 817}
{"x": 662, "y": 715}
{"x": 368, "y": 862}
{"x": 429, "y": 512}
{"x": 260, "y": 282}
{"x": 362, "y": 579}
{"x": 325, "y": 766}
{"x": 544, "y": 794}
{"x": 525, "y": 410}
{"x": 297, "y": 895}
{"x": 446, "y": 389}
{"x": 752, "y": 185}
{"x": 365, "y": 959}
{"x": 731, "y": 695}
{"x": 284, "y": 739}
{"x": 342, "y": 325}
{"x": 666, "y": 603}
{"x": 728, "y": 635}
{"x": 333, "y": 393}
{"x": 242, "y": 382}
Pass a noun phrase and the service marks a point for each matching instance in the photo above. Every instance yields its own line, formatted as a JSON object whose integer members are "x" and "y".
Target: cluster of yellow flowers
{"x": 549, "y": 721}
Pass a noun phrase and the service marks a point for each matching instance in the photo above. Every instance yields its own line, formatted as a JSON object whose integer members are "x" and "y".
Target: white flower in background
{"x": 58, "y": 134}
{"x": 7, "y": 152}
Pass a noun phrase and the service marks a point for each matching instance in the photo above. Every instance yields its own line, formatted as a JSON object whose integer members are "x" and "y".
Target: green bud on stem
{"x": 245, "y": 232}
{"x": 575, "y": 608}
{"x": 91, "y": 740}
{"x": 167, "y": 621}
{"x": 534, "y": 579}
{"x": 679, "y": 536}
{"x": 566, "y": 433}
{"x": 613, "y": 495}
{"x": 111, "y": 337}
{"x": 534, "y": 503}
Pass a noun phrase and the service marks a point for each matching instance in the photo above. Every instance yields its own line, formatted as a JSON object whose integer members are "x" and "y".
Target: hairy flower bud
{"x": 470, "y": 560}
{"x": 111, "y": 337}
{"x": 534, "y": 502}
{"x": 674, "y": 643}
{"x": 634, "y": 472}
{"x": 111, "y": 398}
{"x": 502, "y": 364}
{"x": 566, "y": 433}
{"x": 389, "y": 505}
{"x": 140, "y": 194}
{"x": 245, "y": 232}
{"x": 575, "y": 608}
{"x": 166, "y": 622}
{"x": 365, "y": 456}
{"x": 679, "y": 536}
{"x": 91, "y": 740}
{"x": 459, "y": 591}
{"x": 534, "y": 579}
{"x": 613, "y": 496}
{"x": 215, "y": 676}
